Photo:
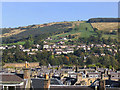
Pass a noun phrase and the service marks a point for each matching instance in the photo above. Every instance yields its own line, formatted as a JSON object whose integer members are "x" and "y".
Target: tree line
{"x": 92, "y": 20}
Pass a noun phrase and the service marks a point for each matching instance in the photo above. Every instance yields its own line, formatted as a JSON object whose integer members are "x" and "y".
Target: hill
{"x": 7, "y": 32}
{"x": 17, "y": 34}
{"x": 60, "y": 29}
{"x": 92, "y": 20}
{"x": 80, "y": 30}
{"x": 109, "y": 26}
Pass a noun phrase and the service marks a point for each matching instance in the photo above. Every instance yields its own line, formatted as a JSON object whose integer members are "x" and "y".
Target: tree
{"x": 110, "y": 40}
{"x": 27, "y": 44}
{"x": 91, "y": 60}
{"x": 99, "y": 34}
{"x": 106, "y": 61}
{"x": 86, "y": 28}
{"x": 76, "y": 27}
{"x": 43, "y": 62}
{"x": 69, "y": 36}
{"x": 30, "y": 38}
{"x": 95, "y": 29}
{"x": 99, "y": 64}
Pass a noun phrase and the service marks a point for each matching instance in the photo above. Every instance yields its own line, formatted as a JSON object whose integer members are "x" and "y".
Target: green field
{"x": 17, "y": 43}
{"x": 112, "y": 36}
{"x": 81, "y": 30}
{"x": 86, "y": 30}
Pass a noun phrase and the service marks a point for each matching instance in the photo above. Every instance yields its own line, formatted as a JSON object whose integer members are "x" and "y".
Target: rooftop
{"x": 11, "y": 78}
{"x": 39, "y": 82}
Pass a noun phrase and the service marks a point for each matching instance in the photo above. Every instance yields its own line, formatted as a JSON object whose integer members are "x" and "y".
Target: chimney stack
{"x": 108, "y": 72}
{"x": 113, "y": 69}
{"x": 85, "y": 72}
{"x": 26, "y": 71}
{"x": 102, "y": 82}
{"x": 61, "y": 75}
{"x": 109, "y": 77}
{"x": 76, "y": 69}
{"x": 102, "y": 85}
{"x": 50, "y": 75}
{"x": 79, "y": 78}
{"x": 46, "y": 82}
{"x": 102, "y": 76}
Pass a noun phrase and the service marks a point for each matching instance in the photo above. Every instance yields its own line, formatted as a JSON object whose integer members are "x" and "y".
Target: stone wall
{"x": 36, "y": 64}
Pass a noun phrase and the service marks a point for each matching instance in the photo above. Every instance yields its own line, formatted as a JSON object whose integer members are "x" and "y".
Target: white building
{"x": 31, "y": 53}
{"x": 26, "y": 50}
{"x": 64, "y": 52}
{"x": 102, "y": 54}
{"x": 58, "y": 52}
{"x": 64, "y": 38}
{"x": 2, "y": 48}
{"x": 34, "y": 50}
{"x": 46, "y": 46}
{"x": 70, "y": 51}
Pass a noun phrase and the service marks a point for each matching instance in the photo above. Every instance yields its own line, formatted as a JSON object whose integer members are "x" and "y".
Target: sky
{"x": 15, "y": 14}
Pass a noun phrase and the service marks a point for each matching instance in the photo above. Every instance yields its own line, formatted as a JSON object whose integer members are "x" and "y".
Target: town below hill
{"x": 72, "y": 55}
{"x": 92, "y": 43}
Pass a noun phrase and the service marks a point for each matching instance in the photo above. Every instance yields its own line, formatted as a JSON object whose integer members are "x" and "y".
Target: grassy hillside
{"x": 59, "y": 30}
{"x": 16, "y": 34}
{"x": 35, "y": 29}
{"x": 17, "y": 43}
{"x": 81, "y": 30}
{"x": 86, "y": 30}
{"x": 109, "y": 26}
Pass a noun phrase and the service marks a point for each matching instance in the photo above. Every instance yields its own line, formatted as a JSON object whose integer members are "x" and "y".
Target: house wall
{"x": 88, "y": 81}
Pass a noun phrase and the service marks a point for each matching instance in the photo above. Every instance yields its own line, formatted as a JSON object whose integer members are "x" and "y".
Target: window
{"x": 83, "y": 76}
{"x": 91, "y": 76}
{"x": 5, "y": 87}
{"x": 11, "y": 88}
{"x": 90, "y": 81}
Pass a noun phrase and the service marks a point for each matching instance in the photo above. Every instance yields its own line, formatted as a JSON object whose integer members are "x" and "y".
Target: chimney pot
{"x": 46, "y": 76}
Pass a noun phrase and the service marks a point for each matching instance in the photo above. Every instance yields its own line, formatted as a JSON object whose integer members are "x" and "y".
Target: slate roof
{"x": 39, "y": 82}
{"x": 111, "y": 83}
{"x": 93, "y": 73}
{"x": 72, "y": 87}
{"x": 55, "y": 81}
{"x": 11, "y": 78}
